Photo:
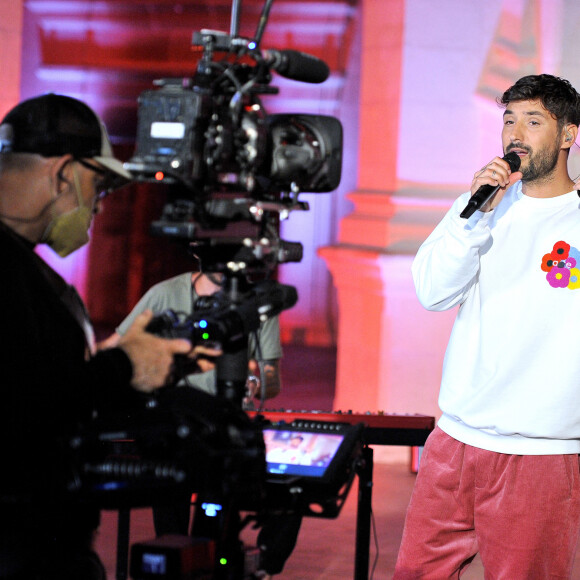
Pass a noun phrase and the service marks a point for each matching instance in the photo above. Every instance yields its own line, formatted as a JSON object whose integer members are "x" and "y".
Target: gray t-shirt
{"x": 177, "y": 294}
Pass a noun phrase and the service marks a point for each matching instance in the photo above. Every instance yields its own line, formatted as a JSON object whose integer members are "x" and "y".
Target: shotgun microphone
{"x": 298, "y": 66}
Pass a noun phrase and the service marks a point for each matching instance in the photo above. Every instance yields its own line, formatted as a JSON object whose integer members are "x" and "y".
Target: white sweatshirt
{"x": 511, "y": 375}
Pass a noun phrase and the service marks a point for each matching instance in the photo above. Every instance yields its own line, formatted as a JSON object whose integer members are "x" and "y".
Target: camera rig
{"x": 182, "y": 440}
{"x": 232, "y": 173}
{"x": 225, "y": 159}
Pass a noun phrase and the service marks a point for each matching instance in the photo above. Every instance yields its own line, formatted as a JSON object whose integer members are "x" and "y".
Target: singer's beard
{"x": 539, "y": 166}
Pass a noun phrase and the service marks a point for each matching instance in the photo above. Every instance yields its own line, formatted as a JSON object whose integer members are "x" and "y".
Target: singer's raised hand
{"x": 496, "y": 173}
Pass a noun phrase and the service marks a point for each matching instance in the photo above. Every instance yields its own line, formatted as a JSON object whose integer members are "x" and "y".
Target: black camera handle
{"x": 231, "y": 375}
{"x": 232, "y": 367}
{"x": 235, "y": 20}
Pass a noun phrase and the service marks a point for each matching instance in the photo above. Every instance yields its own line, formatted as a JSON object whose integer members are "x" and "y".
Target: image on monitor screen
{"x": 300, "y": 452}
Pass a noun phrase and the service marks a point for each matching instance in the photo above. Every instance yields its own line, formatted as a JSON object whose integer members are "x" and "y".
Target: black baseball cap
{"x": 52, "y": 125}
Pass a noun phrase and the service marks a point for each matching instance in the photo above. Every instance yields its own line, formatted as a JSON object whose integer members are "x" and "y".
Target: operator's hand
{"x": 496, "y": 172}
{"x": 204, "y": 357}
{"x": 150, "y": 355}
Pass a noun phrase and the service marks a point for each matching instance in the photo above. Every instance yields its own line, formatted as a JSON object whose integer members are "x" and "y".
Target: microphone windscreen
{"x": 513, "y": 160}
{"x": 299, "y": 66}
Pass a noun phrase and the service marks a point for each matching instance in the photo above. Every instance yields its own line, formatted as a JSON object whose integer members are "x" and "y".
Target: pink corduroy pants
{"x": 520, "y": 512}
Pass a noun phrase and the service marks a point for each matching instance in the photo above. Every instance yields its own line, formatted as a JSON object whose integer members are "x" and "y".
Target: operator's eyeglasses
{"x": 108, "y": 180}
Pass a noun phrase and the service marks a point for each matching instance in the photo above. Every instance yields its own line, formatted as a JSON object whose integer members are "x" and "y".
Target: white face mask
{"x": 69, "y": 231}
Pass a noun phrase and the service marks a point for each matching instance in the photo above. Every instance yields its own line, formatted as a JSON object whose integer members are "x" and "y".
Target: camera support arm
{"x": 232, "y": 367}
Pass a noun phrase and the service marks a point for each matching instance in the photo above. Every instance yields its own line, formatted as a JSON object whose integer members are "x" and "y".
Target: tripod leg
{"x": 363, "y": 515}
{"x": 123, "y": 527}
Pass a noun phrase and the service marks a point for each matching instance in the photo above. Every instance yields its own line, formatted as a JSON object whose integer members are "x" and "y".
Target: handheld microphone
{"x": 486, "y": 192}
{"x": 298, "y": 66}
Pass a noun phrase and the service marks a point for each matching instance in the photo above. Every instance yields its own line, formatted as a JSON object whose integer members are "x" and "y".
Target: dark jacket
{"x": 48, "y": 384}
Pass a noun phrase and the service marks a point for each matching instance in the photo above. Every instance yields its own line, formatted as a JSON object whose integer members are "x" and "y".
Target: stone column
{"x": 385, "y": 359}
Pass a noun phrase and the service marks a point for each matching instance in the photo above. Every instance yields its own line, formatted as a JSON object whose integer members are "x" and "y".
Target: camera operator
{"x": 55, "y": 162}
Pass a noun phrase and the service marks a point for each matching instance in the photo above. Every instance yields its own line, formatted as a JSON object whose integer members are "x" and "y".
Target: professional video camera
{"x": 179, "y": 441}
{"x": 228, "y": 161}
{"x": 174, "y": 441}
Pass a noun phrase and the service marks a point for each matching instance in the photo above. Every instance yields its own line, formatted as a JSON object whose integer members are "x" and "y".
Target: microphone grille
{"x": 513, "y": 160}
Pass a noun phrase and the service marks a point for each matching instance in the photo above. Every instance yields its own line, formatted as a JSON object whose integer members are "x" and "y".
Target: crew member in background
{"x": 500, "y": 473}
{"x": 55, "y": 163}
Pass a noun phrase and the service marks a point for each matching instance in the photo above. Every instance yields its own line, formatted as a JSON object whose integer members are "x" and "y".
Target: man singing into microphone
{"x": 500, "y": 473}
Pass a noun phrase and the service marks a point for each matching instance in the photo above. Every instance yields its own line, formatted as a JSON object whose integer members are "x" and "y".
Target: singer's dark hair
{"x": 556, "y": 94}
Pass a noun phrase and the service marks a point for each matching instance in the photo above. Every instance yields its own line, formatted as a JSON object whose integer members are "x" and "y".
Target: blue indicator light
{"x": 211, "y": 509}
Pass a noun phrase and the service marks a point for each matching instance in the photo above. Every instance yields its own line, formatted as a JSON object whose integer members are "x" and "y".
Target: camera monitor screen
{"x": 300, "y": 453}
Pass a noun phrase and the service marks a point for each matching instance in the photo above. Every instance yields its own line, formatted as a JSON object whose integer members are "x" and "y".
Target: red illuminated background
{"x": 413, "y": 82}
